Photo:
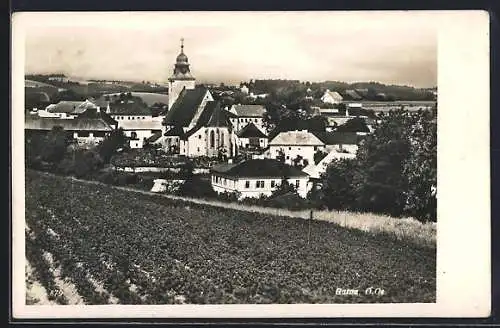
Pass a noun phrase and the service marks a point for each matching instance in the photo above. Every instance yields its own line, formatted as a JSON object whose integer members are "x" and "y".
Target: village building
{"x": 244, "y": 89}
{"x": 341, "y": 142}
{"x": 87, "y": 131}
{"x": 331, "y": 97}
{"x": 355, "y": 125}
{"x": 58, "y": 78}
{"x": 252, "y": 137}
{"x": 245, "y": 114}
{"x": 258, "y": 96}
{"x": 316, "y": 170}
{"x": 135, "y": 119}
{"x": 257, "y": 177}
{"x": 67, "y": 109}
{"x": 296, "y": 145}
{"x": 339, "y": 116}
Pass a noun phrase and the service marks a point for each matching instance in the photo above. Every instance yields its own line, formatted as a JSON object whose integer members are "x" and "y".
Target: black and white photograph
{"x": 183, "y": 159}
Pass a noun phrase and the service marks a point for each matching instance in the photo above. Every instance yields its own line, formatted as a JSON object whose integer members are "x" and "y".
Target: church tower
{"x": 181, "y": 78}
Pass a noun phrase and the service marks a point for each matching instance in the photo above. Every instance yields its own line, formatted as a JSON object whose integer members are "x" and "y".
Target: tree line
{"x": 394, "y": 172}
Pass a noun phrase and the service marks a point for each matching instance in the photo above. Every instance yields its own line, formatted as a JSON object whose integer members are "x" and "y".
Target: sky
{"x": 387, "y": 47}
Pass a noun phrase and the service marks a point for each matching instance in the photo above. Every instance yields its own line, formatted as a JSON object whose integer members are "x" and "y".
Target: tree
{"x": 86, "y": 162}
{"x": 54, "y": 145}
{"x": 382, "y": 183}
{"x": 421, "y": 168}
{"x": 319, "y": 155}
{"x": 297, "y": 161}
{"x": 111, "y": 144}
{"x": 187, "y": 170}
{"x": 281, "y": 155}
{"x": 338, "y": 190}
{"x": 317, "y": 124}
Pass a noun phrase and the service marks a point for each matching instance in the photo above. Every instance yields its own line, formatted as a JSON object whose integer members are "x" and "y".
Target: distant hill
{"x": 37, "y": 84}
{"x": 372, "y": 91}
{"x": 148, "y": 97}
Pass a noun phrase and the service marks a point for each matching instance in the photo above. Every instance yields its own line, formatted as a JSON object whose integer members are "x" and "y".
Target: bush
{"x": 196, "y": 187}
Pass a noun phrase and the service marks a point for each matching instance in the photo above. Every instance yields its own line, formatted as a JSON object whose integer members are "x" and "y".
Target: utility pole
{"x": 309, "y": 227}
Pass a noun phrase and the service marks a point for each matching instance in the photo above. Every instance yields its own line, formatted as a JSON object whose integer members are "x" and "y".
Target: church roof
{"x": 251, "y": 131}
{"x": 185, "y": 106}
{"x": 212, "y": 116}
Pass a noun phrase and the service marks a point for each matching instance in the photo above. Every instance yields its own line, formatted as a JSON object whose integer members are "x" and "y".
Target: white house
{"x": 139, "y": 130}
{"x": 331, "y": 97}
{"x": 252, "y": 137}
{"x": 245, "y": 114}
{"x": 259, "y": 95}
{"x": 315, "y": 170}
{"x": 244, "y": 89}
{"x": 294, "y": 144}
{"x": 256, "y": 177}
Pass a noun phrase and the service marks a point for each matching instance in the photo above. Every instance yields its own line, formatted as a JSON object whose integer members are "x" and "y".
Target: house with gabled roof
{"x": 297, "y": 147}
{"x": 86, "y": 130}
{"x": 252, "y": 137}
{"x": 245, "y": 114}
{"x": 257, "y": 177}
{"x": 346, "y": 142}
{"x": 332, "y": 97}
{"x": 133, "y": 117}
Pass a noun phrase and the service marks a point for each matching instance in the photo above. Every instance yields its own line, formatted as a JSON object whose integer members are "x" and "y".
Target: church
{"x": 195, "y": 124}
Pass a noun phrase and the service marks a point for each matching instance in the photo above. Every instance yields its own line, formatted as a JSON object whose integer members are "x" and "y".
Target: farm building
{"x": 256, "y": 177}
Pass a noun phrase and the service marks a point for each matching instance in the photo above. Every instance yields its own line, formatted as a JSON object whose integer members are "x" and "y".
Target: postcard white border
{"x": 463, "y": 243}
